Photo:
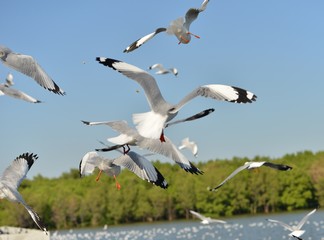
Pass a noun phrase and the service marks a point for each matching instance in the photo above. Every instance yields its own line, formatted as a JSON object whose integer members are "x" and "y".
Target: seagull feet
{"x": 99, "y": 174}
{"x": 196, "y": 36}
{"x": 118, "y": 186}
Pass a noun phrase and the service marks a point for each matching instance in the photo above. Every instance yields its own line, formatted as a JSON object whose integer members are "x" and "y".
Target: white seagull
{"x": 134, "y": 162}
{"x": 6, "y": 89}
{"x": 296, "y": 231}
{"x": 11, "y": 179}
{"x": 129, "y": 136}
{"x": 151, "y": 124}
{"x": 251, "y": 165}
{"x": 27, "y": 65}
{"x": 191, "y": 145}
{"x": 179, "y": 28}
{"x": 162, "y": 70}
{"x": 206, "y": 220}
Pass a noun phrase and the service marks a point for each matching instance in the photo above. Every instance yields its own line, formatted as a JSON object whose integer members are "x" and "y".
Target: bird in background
{"x": 6, "y": 89}
{"x": 251, "y": 165}
{"x": 152, "y": 123}
{"x": 206, "y": 220}
{"x": 191, "y": 145}
{"x": 28, "y": 66}
{"x": 161, "y": 70}
{"x": 179, "y": 27}
{"x": 295, "y": 231}
{"x": 133, "y": 161}
{"x": 11, "y": 179}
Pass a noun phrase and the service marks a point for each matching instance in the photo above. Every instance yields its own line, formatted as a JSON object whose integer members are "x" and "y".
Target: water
{"x": 242, "y": 228}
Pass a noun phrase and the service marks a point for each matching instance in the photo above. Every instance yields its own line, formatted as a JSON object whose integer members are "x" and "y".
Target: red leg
{"x": 196, "y": 36}
{"x": 99, "y": 174}
{"x": 117, "y": 183}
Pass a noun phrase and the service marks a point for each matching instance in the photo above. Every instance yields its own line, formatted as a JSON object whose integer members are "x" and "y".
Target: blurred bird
{"x": 6, "y": 89}
{"x": 11, "y": 179}
{"x": 191, "y": 145}
{"x": 134, "y": 162}
{"x": 205, "y": 220}
{"x": 179, "y": 28}
{"x": 27, "y": 65}
{"x": 296, "y": 231}
{"x": 251, "y": 165}
{"x": 151, "y": 124}
{"x": 162, "y": 70}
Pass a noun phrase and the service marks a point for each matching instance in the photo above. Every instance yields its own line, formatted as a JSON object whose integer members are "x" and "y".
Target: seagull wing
{"x": 277, "y": 166}
{"x": 169, "y": 150}
{"x": 193, "y": 13}
{"x": 139, "y": 42}
{"x": 27, "y": 65}
{"x": 218, "y": 92}
{"x": 88, "y": 163}
{"x": 35, "y": 217}
{"x": 142, "y": 167}
{"x": 302, "y": 222}
{"x": 17, "y": 171}
{"x": 193, "y": 117}
{"x": 143, "y": 78}
{"x": 198, "y": 215}
{"x": 239, "y": 169}
{"x": 286, "y": 226}
{"x": 17, "y": 94}
{"x": 158, "y": 66}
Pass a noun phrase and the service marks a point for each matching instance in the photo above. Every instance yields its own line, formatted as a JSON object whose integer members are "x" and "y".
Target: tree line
{"x": 71, "y": 202}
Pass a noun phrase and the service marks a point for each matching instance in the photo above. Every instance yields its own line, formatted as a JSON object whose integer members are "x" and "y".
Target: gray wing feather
{"x": 302, "y": 222}
{"x": 286, "y": 226}
{"x": 239, "y": 169}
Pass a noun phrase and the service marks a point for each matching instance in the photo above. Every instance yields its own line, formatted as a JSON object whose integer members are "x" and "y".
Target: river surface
{"x": 239, "y": 228}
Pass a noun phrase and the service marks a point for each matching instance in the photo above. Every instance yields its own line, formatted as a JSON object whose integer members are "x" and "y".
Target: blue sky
{"x": 272, "y": 48}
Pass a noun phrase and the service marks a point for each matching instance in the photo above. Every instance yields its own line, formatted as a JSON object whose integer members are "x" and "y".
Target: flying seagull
{"x": 11, "y": 179}
{"x": 130, "y": 136}
{"x": 296, "y": 231}
{"x": 151, "y": 124}
{"x": 134, "y": 162}
{"x": 205, "y": 220}
{"x": 6, "y": 89}
{"x": 179, "y": 28}
{"x": 162, "y": 70}
{"x": 191, "y": 145}
{"x": 27, "y": 65}
{"x": 250, "y": 165}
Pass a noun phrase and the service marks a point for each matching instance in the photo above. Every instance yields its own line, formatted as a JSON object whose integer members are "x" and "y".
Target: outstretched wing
{"x": 17, "y": 171}
{"x": 198, "y": 215}
{"x": 239, "y": 169}
{"x": 193, "y": 13}
{"x": 142, "y": 167}
{"x": 286, "y": 226}
{"x": 302, "y": 222}
{"x": 139, "y": 42}
{"x": 18, "y": 94}
{"x": 88, "y": 163}
{"x": 277, "y": 166}
{"x": 27, "y": 65}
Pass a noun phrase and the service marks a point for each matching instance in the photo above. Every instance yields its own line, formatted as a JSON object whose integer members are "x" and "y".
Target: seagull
{"x": 151, "y": 124}
{"x": 6, "y": 89}
{"x": 179, "y": 28}
{"x": 11, "y": 179}
{"x": 27, "y": 65}
{"x": 130, "y": 136}
{"x": 134, "y": 162}
{"x": 192, "y": 146}
{"x": 205, "y": 220}
{"x": 296, "y": 231}
{"x": 162, "y": 70}
{"x": 251, "y": 165}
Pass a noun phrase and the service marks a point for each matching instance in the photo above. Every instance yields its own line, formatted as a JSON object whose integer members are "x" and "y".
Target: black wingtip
{"x": 29, "y": 157}
{"x": 107, "y": 61}
{"x": 161, "y": 182}
{"x": 85, "y": 122}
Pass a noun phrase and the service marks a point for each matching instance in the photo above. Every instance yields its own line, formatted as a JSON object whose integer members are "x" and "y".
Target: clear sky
{"x": 272, "y": 48}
